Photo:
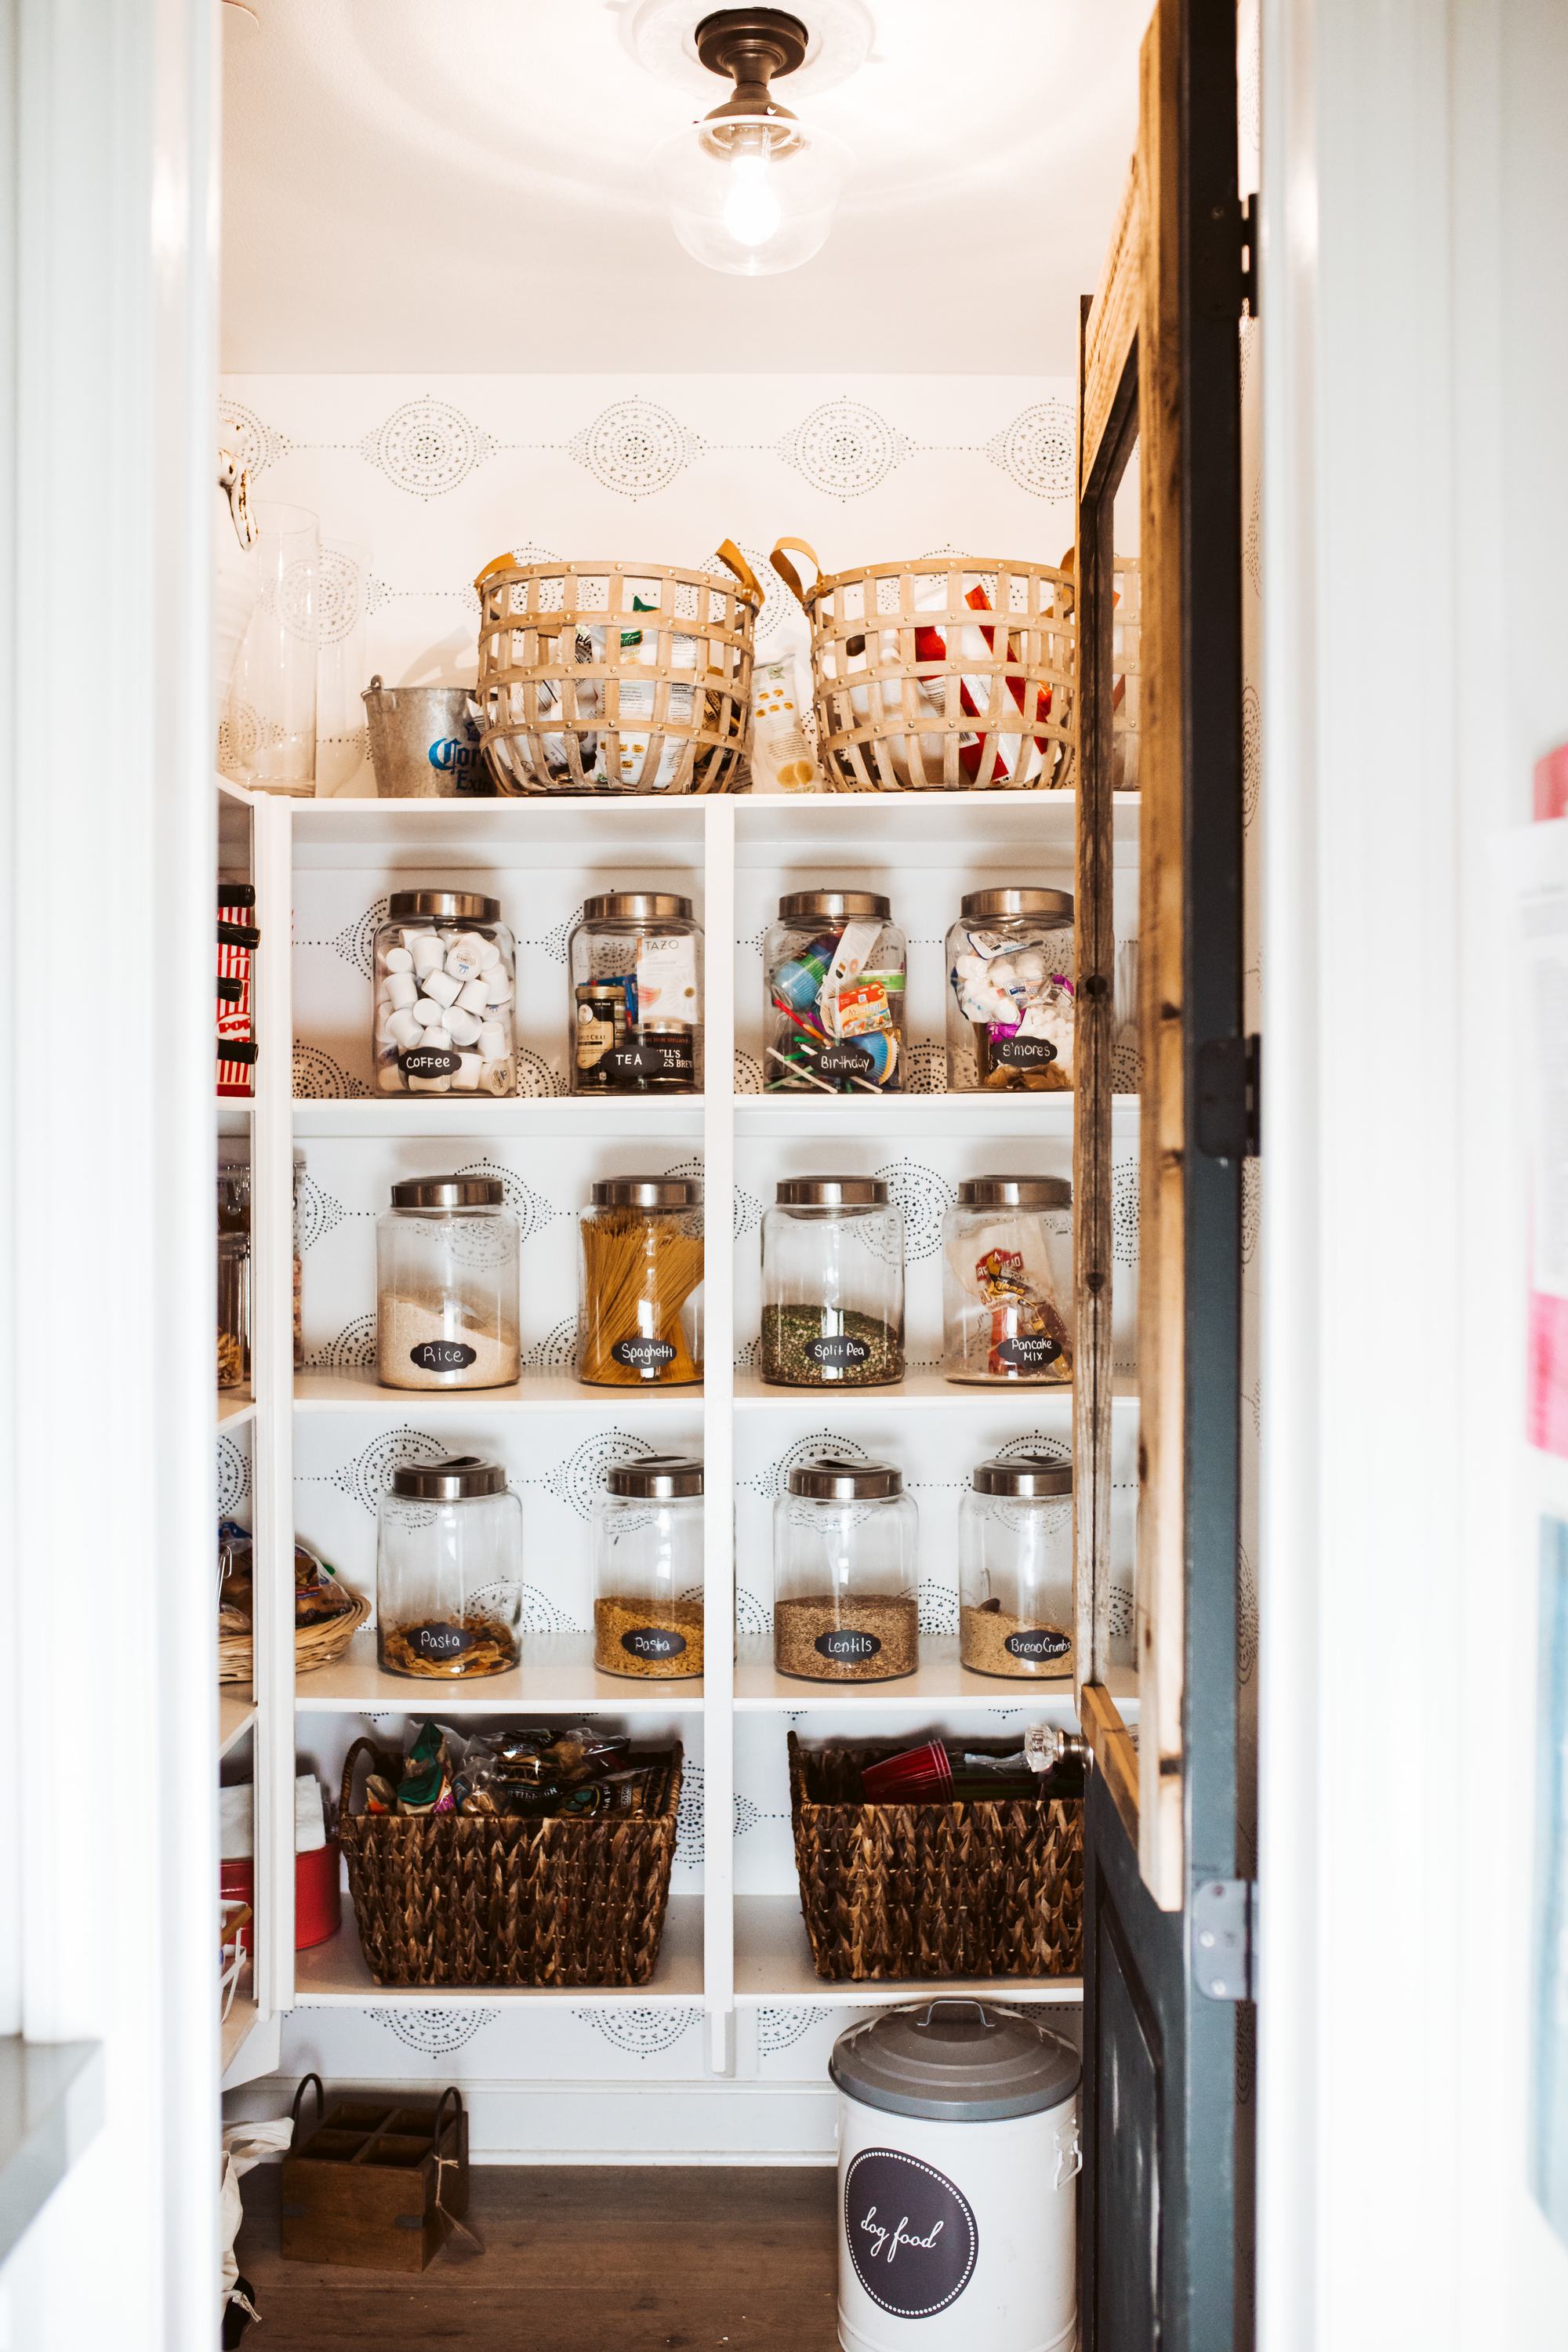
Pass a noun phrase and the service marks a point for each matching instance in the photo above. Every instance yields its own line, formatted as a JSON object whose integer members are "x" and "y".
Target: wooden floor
{"x": 576, "y": 2259}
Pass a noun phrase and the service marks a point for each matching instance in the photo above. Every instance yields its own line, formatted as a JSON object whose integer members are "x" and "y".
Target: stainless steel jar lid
{"x": 648, "y": 1193}
{"x": 1016, "y": 902}
{"x": 1022, "y": 1474}
{"x": 637, "y": 907}
{"x": 831, "y": 1193}
{"x": 661, "y": 1478}
{"x": 456, "y": 1480}
{"x": 833, "y": 905}
{"x": 1014, "y": 1192}
{"x": 447, "y": 906}
{"x": 955, "y": 2061}
{"x": 826, "y": 1478}
{"x": 448, "y": 1193}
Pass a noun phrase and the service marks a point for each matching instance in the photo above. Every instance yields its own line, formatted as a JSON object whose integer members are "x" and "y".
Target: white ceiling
{"x": 463, "y": 185}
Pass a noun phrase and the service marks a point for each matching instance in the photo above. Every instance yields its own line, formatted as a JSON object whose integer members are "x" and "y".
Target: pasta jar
{"x": 449, "y": 1570}
{"x": 445, "y": 1286}
{"x": 636, "y": 961}
{"x": 1007, "y": 1281}
{"x": 640, "y": 1267}
{"x": 833, "y": 1284}
{"x": 648, "y": 1569}
{"x": 1010, "y": 992}
{"x": 446, "y": 981}
{"x": 845, "y": 1608}
{"x": 835, "y": 966}
{"x": 1014, "y": 1568}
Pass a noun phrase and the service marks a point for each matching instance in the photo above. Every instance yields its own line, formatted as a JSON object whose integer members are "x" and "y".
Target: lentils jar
{"x": 647, "y": 1569}
{"x": 833, "y": 1284}
{"x": 1015, "y": 1568}
{"x": 1010, "y": 1001}
{"x": 636, "y": 960}
{"x": 835, "y": 965}
{"x": 449, "y": 1570}
{"x": 446, "y": 984}
{"x": 640, "y": 1276}
{"x": 447, "y": 1285}
{"x": 845, "y": 1606}
{"x": 1008, "y": 1282}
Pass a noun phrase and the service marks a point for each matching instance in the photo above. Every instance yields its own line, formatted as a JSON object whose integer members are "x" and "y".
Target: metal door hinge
{"x": 1222, "y": 1918}
{"x": 1249, "y": 222}
{"x": 1229, "y": 1109}
{"x": 1225, "y": 261}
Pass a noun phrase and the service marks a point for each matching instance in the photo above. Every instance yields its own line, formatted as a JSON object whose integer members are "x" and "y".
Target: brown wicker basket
{"x": 932, "y": 1890}
{"x": 462, "y": 1899}
{"x": 314, "y": 1645}
{"x": 616, "y": 677}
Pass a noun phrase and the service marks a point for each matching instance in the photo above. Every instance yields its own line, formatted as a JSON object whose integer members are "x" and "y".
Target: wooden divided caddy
{"x": 377, "y": 2184}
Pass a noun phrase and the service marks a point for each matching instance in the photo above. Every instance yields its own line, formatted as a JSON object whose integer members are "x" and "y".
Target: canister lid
{"x": 448, "y": 1193}
{"x": 833, "y": 905}
{"x": 452, "y": 1481}
{"x": 1016, "y": 902}
{"x": 827, "y": 1478}
{"x": 958, "y": 2061}
{"x": 447, "y": 906}
{"x": 831, "y": 1193}
{"x": 637, "y": 907}
{"x": 648, "y": 1193}
{"x": 1022, "y": 1474}
{"x": 1014, "y": 1192}
{"x": 658, "y": 1478}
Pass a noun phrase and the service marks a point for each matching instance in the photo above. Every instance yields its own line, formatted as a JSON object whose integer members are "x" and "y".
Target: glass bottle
{"x": 640, "y": 1283}
{"x": 446, "y": 981}
{"x": 845, "y": 1605}
{"x": 1010, "y": 998}
{"x": 1008, "y": 1282}
{"x": 1015, "y": 1568}
{"x": 447, "y": 1285}
{"x": 647, "y": 1532}
{"x": 836, "y": 964}
{"x": 449, "y": 1570}
{"x": 636, "y": 963}
{"x": 833, "y": 1284}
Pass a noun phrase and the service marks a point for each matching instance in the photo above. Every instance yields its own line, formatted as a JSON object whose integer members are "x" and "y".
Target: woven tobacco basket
{"x": 932, "y": 1890}
{"x": 464, "y": 1899}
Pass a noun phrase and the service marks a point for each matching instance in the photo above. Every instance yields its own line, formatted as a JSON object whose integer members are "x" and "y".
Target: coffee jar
{"x": 447, "y": 1285}
{"x": 833, "y": 1284}
{"x": 835, "y": 965}
{"x": 1008, "y": 1282}
{"x": 446, "y": 985}
{"x": 845, "y": 1601}
{"x": 636, "y": 963}
{"x": 646, "y": 1542}
{"x": 639, "y": 1322}
{"x": 1010, "y": 1000}
{"x": 1015, "y": 1568}
{"x": 449, "y": 1570}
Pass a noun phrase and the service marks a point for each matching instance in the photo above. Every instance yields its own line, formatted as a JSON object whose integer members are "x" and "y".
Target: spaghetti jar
{"x": 1007, "y": 1281}
{"x": 449, "y": 1570}
{"x": 640, "y": 1296}
{"x": 446, "y": 984}
{"x": 445, "y": 1286}
{"x": 835, "y": 965}
{"x": 648, "y": 1569}
{"x": 636, "y": 962}
{"x": 1010, "y": 992}
{"x": 845, "y": 1606}
{"x": 1014, "y": 1568}
{"x": 833, "y": 1284}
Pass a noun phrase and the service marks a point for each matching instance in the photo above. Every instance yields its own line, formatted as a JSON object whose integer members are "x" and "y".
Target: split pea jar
{"x": 833, "y": 1284}
{"x": 1008, "y": 1282}
{"x": 845, "y": 1604}
{"x": 447, "y": 1285}
{"x": 639, "y": 1322}
{"x": 647, "y": 1539}
{"x": 1010, "y": 1001}
{"x": 449, "y": 1570}
{"x": 836, "y": 964}
{"x": 1015, "y": 1568}
{"x": 636, "y": 962}
{"x": 446, "y": 984}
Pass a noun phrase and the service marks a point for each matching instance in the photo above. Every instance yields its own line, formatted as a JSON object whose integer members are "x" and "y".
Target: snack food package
{"x": 782, "y": 758}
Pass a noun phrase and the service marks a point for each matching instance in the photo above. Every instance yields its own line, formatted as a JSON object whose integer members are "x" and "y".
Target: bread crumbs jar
{"x": 647, "y": 1542}
{"x": 1015, "y": 1568}
{"x": 636, "y": 964}
{"x": 845, "y": 1606}
{"x": 449, "y": 1570}
{"x": 444, "y": 992}
{"x": 833, "y": 1284}
{"x": 1008, "y": 1282}
{"x": 639, "y": 1321}
{"x": 1010, "y": 1000}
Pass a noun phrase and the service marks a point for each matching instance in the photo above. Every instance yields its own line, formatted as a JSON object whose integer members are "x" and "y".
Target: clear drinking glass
{"x": 266, "y": 732}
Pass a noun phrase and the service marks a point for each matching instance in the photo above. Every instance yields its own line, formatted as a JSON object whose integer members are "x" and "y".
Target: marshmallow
{"x": 442, "y": 987}
{"x": 465, "y": 1026}
{"x": 472, "y": 997}
{"x": 429, "y": 1013}
{"x": 399, "y": 989}
{"x": 404, "y": 1031}
{"x": 397, "y": 959}
{"x": 466, "y": 1078}
{"x": 498, "y": 987}
{"x": 492, "y": 1042}
{"x": 496, "y": 1077}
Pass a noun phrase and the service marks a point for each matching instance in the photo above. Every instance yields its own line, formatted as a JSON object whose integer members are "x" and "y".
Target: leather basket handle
{"x": 780, "y": 559}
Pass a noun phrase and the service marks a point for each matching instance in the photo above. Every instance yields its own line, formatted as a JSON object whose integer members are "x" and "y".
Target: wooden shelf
{"x": 335, "y": 1975}
{"x": 773, "y": 1963}
{"x": 236, "y": 2025}
{"x": 557, "y": 1670}
{"x": 553, "y": 1392}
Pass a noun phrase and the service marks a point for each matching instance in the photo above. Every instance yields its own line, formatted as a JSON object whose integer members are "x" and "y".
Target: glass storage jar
{"x": 845, "y": 1608}
{"x": 1010, "y": 992}
{"x": 445, "y": 1286}
{"x": 636, "y": 962}
{"x": 640, "y": 1296}
{"x": 1007, "y": 1281}
{"x": 233, "y": 1273}
{"x": 836, "y": 964}
{"x": 449, "y": 1570}
{"x": 833, "y": 1284}
{"x": 1014, "y": 1568}
{"x": 648, "y": 1569}
{"x": 446, "y": 980}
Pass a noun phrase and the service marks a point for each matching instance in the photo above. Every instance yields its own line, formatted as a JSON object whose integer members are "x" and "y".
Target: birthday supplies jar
{"x": 445, "y": 990}
{"x": 1010, "y": 992}
{"x": 835, "y": 965}
{"x": 1008, "y": 1282}
{"x": 635, "y": 958}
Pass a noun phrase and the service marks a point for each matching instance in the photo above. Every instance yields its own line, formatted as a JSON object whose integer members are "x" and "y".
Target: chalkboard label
{"x": 427, "y": 1062}
{"x": 912, "y": 2233}
{"x": 654, "y": 1057}
{"x": 1032, "y": 1353}
{"x": 439, "y": 1642}
{"x": 1039, "y": 1644}
{"x": 442, "y": 1356}
{"x": 653, "y": 1642}
{"x": 1023, "y": 1053}
{"x": 847, "y": 1649}
{"x": 837, "y": 1349}
{"x": 644, "y": 1355}
{"x": 845, "y": 1059}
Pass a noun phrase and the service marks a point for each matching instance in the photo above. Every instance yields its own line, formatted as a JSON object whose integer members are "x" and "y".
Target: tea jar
{"x": 639, "y": 1321}
{"x": 449, "y": 1570}
{"x": 447, "y": 1286}
{"x": 833, "y": 1284}
{"x": 1007, "y": 1281}
{"x": 1010, "y": 1000}
{"x": 646, "y": 1542}
{"x": 845, "y": 1605}
{"x": 835, "y": 965}
{"x": 445, "y": 983}
{"x": 1014, "y": 1568}
{"x": 636, "y": 963}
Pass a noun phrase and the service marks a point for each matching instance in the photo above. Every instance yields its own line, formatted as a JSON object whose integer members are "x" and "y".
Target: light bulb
{"x": 751, "y": 195}
{"x": 752, "y": 214}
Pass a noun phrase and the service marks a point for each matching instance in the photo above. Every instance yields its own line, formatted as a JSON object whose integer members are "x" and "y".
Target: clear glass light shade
{"x": 751, "y": 195}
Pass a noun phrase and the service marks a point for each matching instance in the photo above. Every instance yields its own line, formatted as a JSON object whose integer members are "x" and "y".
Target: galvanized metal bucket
{"x": 424, "y": 743}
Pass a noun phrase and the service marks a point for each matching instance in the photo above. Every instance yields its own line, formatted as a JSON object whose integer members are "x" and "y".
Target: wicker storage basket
{"x": 314, "y": 1645}
{"x": 464, "y": 1899}
{"x": 932, "y": 1890}
{"x": 616, "y": 677}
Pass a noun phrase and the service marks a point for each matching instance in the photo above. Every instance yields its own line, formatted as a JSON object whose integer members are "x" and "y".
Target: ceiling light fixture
{"x": 750, "y": 189}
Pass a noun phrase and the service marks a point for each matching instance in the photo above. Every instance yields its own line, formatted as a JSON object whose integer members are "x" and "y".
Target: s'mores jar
{"x": 445, "y": 989}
